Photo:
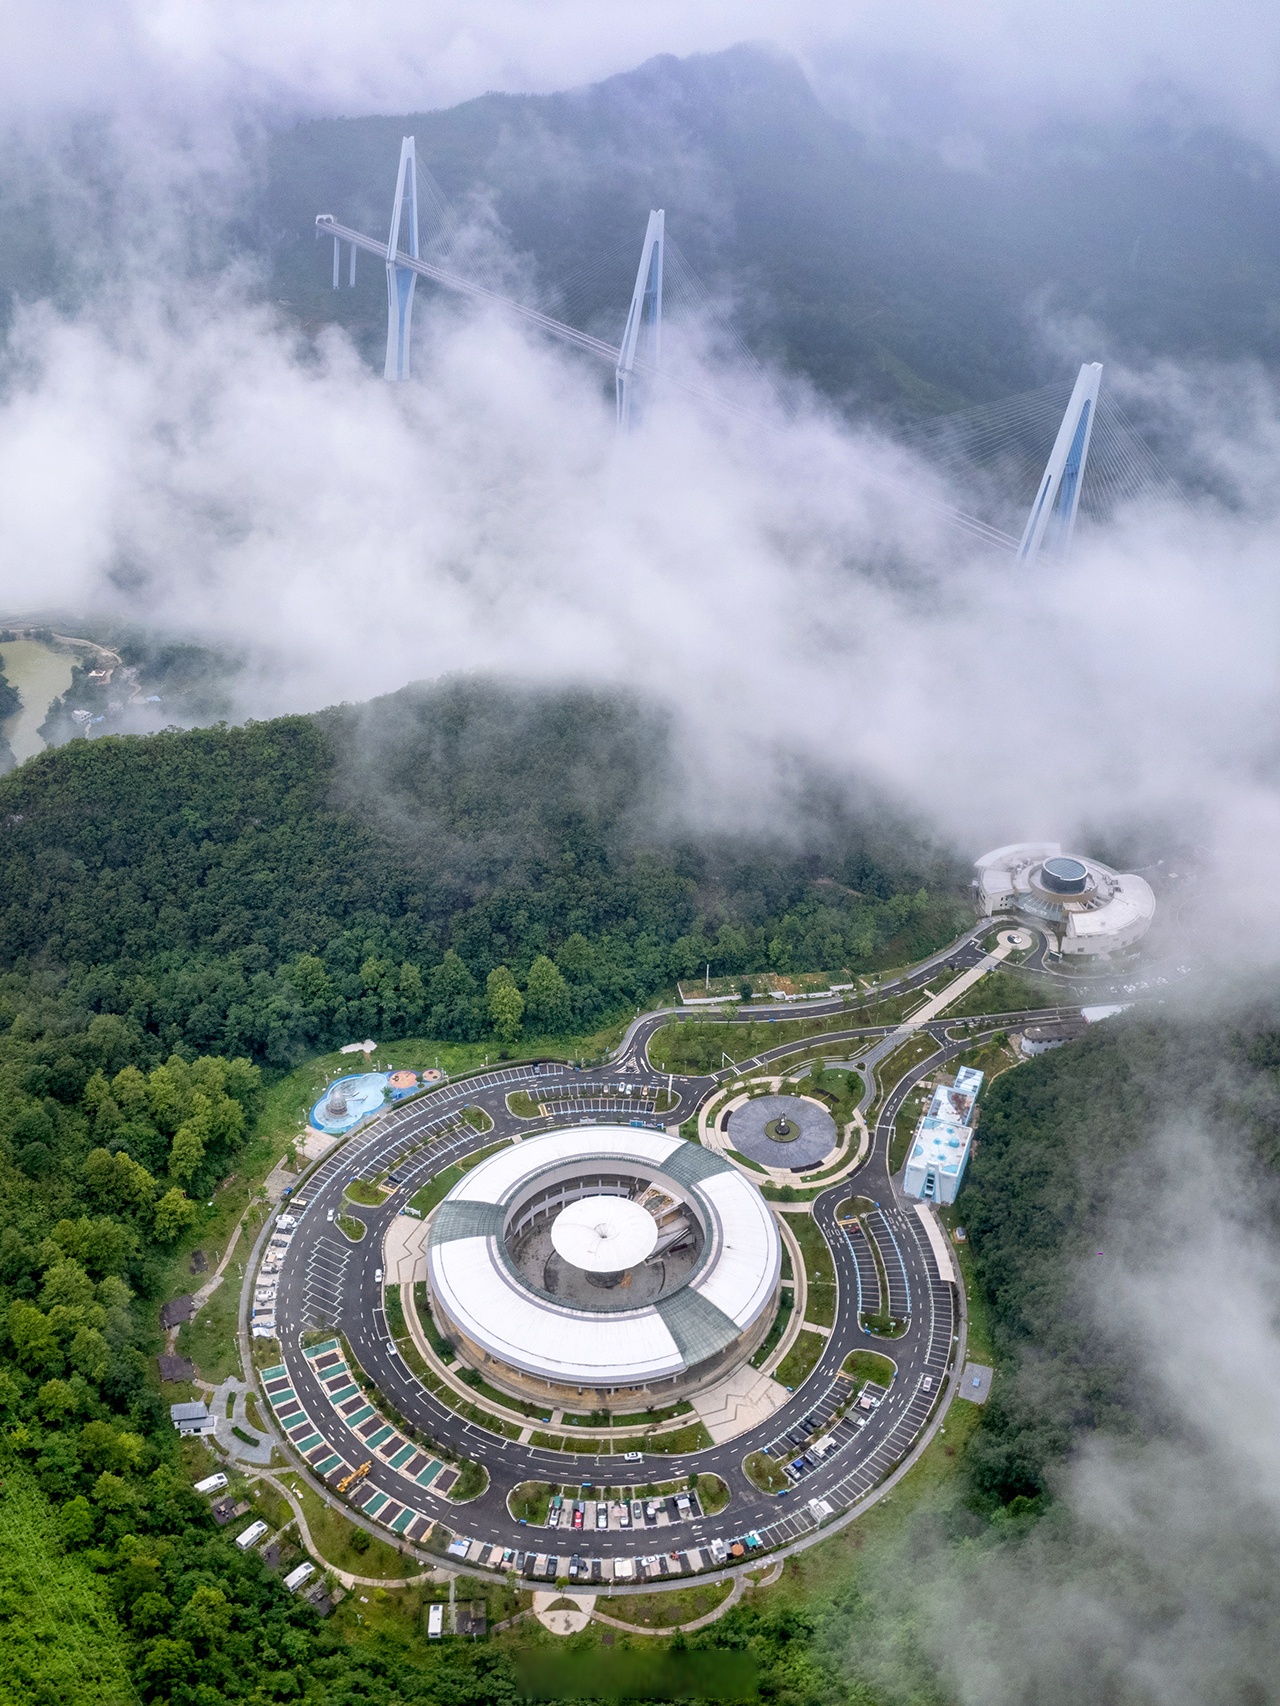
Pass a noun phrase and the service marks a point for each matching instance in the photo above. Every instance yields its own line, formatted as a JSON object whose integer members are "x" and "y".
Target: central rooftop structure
{"x": 604, "y": 1235}
{"x": 1085, "y": 906}
{"x": 598, "y": 1261}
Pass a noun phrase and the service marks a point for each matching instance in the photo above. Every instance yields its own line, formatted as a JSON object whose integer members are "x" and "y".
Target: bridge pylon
{"x": 1053, "y": 515}
{"x": 401, "y": 279}
{"x": 642, "y": 340}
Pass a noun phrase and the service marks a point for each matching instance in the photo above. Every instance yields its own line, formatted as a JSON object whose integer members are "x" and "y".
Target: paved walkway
{"x": 567, "y": 1620}
{"x": 239, "y": 1449}
{"x": 738, "y": 1402}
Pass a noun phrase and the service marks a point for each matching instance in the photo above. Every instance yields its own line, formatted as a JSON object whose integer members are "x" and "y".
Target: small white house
{"x": 251, "y": 1536}
{"x": 295, "y": 1579}
{"x": 191, "y": 1418}
{"x": 211, "y": 1484}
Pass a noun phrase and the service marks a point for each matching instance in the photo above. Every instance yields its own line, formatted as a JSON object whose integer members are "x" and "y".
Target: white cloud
{"x": 389, "y": 56}
{"x": 199, "y": 466}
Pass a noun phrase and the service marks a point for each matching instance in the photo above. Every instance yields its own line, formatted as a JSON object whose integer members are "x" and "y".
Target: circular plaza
{"x": 604, "y": 1263}
{"x": 790, "y": 1132}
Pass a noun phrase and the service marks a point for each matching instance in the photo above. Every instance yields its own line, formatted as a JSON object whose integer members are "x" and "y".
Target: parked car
{"x": 602, "y": 1514}
{"x": 578, "y": 1514}
{"x": 377, "y": 1276}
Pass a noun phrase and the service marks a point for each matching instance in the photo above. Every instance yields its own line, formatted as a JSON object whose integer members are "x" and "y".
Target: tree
{"x": 505, "y": 1004}
{"x": 173, "y": 1214}
{"x": 453, "y": 993}
{"x": 66, "y": 1283}
{"x": 186, "y": 1152}
{"x": 77, "y": 1522}
{"x": 34, "y": 1341}
{"x": 547, "y": 1004}
{"x": 206, "y": 1617}
{"x": 91, "y": 1354}
{"x": 56, "y": 1400}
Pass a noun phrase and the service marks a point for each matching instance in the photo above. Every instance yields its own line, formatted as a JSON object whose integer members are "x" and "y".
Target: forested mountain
{"x": 277, "y": 888}
{"x": 895, "y": 275}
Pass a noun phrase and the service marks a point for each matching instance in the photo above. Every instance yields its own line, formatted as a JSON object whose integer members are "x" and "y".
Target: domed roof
{"x": 1064, "y": 875}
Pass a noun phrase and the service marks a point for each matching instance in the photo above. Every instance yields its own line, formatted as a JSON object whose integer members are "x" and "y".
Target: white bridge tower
{"x": 1053, "y": 515}
{"x": 642, "y": 339}
{"x": 400, "y": 279}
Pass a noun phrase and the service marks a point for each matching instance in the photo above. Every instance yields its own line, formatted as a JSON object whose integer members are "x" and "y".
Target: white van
{"x": 251, "y": 1535}
{"x": 294, "y": 1580}
{"x": 435, "y": 1622}
{"x": 211, "y": 1484}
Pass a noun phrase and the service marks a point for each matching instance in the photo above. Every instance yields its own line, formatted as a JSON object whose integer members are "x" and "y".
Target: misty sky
{"x": 1005, "y": 59}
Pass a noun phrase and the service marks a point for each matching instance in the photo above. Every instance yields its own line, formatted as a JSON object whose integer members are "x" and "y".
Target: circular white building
{"x": 604, "y": 1263}
{"x": 1086, "y": 906}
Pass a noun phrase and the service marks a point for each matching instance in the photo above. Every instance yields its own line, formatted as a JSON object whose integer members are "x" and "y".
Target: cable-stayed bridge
{"x": 986, "y": 437}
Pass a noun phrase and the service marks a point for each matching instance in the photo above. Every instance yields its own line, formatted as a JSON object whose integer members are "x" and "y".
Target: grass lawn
{"x": 713, "y": 1494}
{"x": 530, "y": 1501}
{"x": 471, "y": 1482}
{"x": 665, "y": 1610}
{"x": 853, "y": 1206}
{"x": 350, "y": 1227}
{"x": 364, "y": 1192}
{"x": 801, "y": 1360}
{"x": 763, "y": 1472}
{"x": 819, "y": 1268}
{"x": 435, "y": 1338}
{"x": 333, "y": 1535}
{"x": 998, "y": 992}
{"x": 210, "y": 1339}
{"x": 869, "y": 1365}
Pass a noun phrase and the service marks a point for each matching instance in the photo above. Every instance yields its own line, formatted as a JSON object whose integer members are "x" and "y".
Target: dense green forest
{"x": 463, "y": 861}
{"x": 9, "y": 704}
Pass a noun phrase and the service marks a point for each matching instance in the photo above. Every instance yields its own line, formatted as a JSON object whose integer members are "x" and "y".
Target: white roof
{"x": 941, "y": 1145}
{"x": 494, "y": 1180}
{"x": 740, "y": 1280}
{"x": 1132, "y": 903}
{"x": 604, "y": 1235}
{"x": 488, "y": 1301}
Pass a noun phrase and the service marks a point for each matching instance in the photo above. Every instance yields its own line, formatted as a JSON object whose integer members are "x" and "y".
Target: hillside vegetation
{"x": 462, "y": 862}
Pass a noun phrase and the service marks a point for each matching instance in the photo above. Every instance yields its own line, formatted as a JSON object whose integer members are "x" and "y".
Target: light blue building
{"x": 940, "y": 1147}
